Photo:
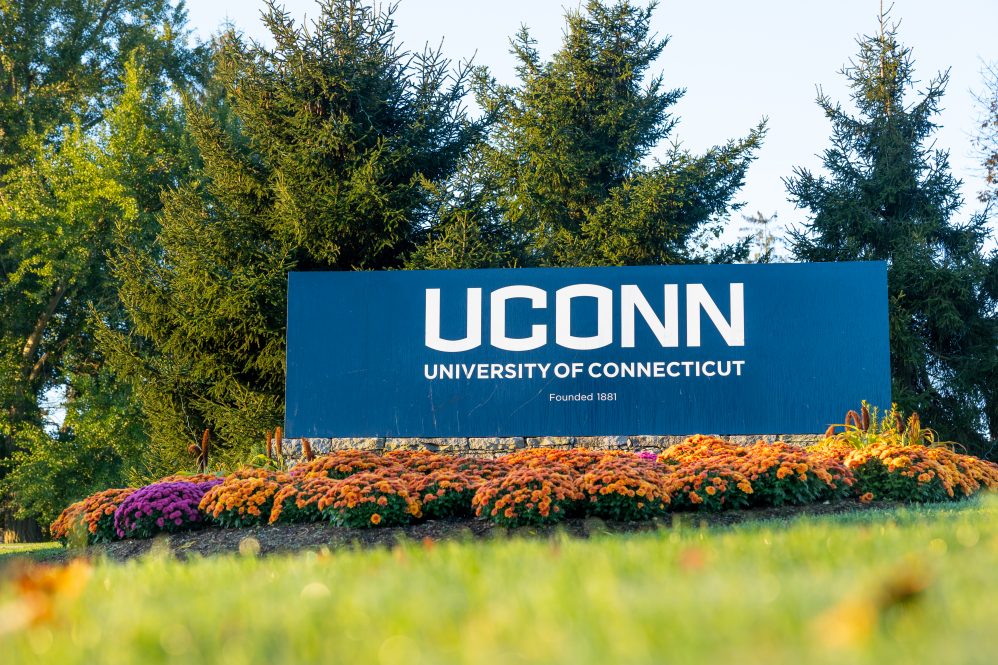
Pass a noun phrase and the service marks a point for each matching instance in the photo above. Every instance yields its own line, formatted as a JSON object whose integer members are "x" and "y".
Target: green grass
{"x": 900, "y": 586}
{"x": 35, "y": 551}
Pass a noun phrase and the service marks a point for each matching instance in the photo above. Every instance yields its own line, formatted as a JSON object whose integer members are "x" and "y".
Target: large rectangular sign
{"x": 723, "y": 349}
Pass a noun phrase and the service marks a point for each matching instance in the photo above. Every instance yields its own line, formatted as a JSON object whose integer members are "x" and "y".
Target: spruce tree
{"x": 565, "y": 171}
{"x": 322, "y": 155}
{"x": 888, "y": 194}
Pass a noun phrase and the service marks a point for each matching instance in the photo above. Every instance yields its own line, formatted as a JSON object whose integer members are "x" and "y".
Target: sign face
{"x": 722, "y": 349}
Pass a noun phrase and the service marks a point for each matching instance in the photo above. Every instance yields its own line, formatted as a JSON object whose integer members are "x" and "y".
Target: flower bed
{"x": 531, "y": 494}
{"x": 370, "y": 499}
{"x": 69, "y": 523}
{"x": 447, "y": 493}
{"x": 919, "y": 473}
{"x": 707, "y": 485}
{"x": 244, "y": 498}
{"x": 625, "y": 487}
{"x": 298, "y": 500}
{"x": 98, "y": 513}
{"x": 778, "y": 474}
{"x": 533, "y": 487}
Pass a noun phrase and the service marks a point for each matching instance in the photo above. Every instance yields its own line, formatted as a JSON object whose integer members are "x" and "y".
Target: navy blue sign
{"x": 732, "y": 349}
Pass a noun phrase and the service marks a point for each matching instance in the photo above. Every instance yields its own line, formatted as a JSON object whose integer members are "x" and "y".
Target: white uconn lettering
{"x": 664, "y": 324}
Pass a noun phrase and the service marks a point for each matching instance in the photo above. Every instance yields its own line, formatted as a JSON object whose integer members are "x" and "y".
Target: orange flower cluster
{"x": 420, "y": 461}
{"x": 486, "y": 469}
{"x": 576, "y": 459}
{"x": 98, "y": 512}
{"x": 195, "y": 478}
{"x": 298, "y": 500}
{"x": 344, "y": 463}
{"x": 919, "y": 473}
{"x": 700, "y": 447}
{"x": 244, "y": 498}
{"x": 625, "y": 487}
{"x": 447, "y": 492}
{"x": 777, "y": 473}
{"x": 541, "y": 486}
{"x": 707, "y": 484}
{"x": 369, "y": 499}
{"x": 533, "y": 493}
{"x": 69, "y": 521}
{"x": 92, "y": 519}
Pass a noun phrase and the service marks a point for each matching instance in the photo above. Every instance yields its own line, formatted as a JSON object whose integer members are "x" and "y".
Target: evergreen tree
{"x": 889, "y": 195}
{"x": 566, "y": 168}
{"x": 763, "y": 241}
{"x": 325, "y": 158}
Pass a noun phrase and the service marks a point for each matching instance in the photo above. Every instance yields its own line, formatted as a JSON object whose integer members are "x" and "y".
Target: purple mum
{"x": 161, "y": 507}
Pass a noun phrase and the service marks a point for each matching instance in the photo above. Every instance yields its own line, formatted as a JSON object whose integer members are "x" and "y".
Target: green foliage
{"x": 866, "y": 427}
{"x": 564, "y": 175}
{"x": 888, "y": 485}
{"x": 367, "y": 499}
{"x": 100, "y": 444}
{"x": 880, "y": 587}
{"x": 889, "y": 195}
{"x": 321, "y": 156}
{"x": 88, "y": 136}
{"x": 446, "y": 493}
{"x": 64, "y": 62}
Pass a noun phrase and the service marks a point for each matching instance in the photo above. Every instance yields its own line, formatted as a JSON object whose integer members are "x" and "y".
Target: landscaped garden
{"x": 704, "y": 552}
{"x": 881, "y": 586}
{"x": 891, "y": 460}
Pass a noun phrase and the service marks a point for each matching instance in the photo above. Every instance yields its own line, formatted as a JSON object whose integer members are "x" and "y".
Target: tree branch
{"x": 35, "y": 338}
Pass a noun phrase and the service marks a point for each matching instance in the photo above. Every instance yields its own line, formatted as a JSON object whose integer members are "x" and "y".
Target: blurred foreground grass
{"x": 35, "y": 551}
{"x": 901, "y": 586}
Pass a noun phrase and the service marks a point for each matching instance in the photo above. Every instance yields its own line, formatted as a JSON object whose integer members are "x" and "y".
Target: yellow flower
{"x": 375, "y": 519}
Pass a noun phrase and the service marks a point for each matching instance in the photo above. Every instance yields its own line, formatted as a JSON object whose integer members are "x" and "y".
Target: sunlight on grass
{"x": 38, "y": 551}
{"x": 910, "y": 585}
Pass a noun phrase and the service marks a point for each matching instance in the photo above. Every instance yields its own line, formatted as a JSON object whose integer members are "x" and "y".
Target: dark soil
{"x": 287, "y": 538}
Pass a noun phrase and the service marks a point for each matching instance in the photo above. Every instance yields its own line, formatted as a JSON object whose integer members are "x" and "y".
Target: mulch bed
{"x": 289, "y": 538}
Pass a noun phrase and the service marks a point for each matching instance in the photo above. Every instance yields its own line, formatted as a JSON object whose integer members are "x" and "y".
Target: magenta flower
{"x": 161, "y": 507}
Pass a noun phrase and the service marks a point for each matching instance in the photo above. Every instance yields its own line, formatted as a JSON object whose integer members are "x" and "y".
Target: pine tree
{"x": 566, "y": 164}
{"x": 324, "y": 157}
{"x": 764, "y": 243}
{"x": 889, "y": 195}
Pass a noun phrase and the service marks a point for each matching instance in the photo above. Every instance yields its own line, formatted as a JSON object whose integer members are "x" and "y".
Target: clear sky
{"x": 739, "y": 62}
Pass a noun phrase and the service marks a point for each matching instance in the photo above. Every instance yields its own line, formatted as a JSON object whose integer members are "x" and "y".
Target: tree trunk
{"x": 35, "y": 338}
{"x": 15, "y": 530}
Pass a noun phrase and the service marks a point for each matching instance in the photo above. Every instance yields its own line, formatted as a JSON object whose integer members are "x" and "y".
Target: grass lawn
{"x": 900, "y": 586}
{"x": 34, "y": 551}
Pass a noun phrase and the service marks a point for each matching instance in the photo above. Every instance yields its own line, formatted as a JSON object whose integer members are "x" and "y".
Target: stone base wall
{"x": 495, "y": 446}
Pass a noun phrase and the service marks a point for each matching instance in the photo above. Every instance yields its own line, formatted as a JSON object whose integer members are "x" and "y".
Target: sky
{"x": 739, "y": 62}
